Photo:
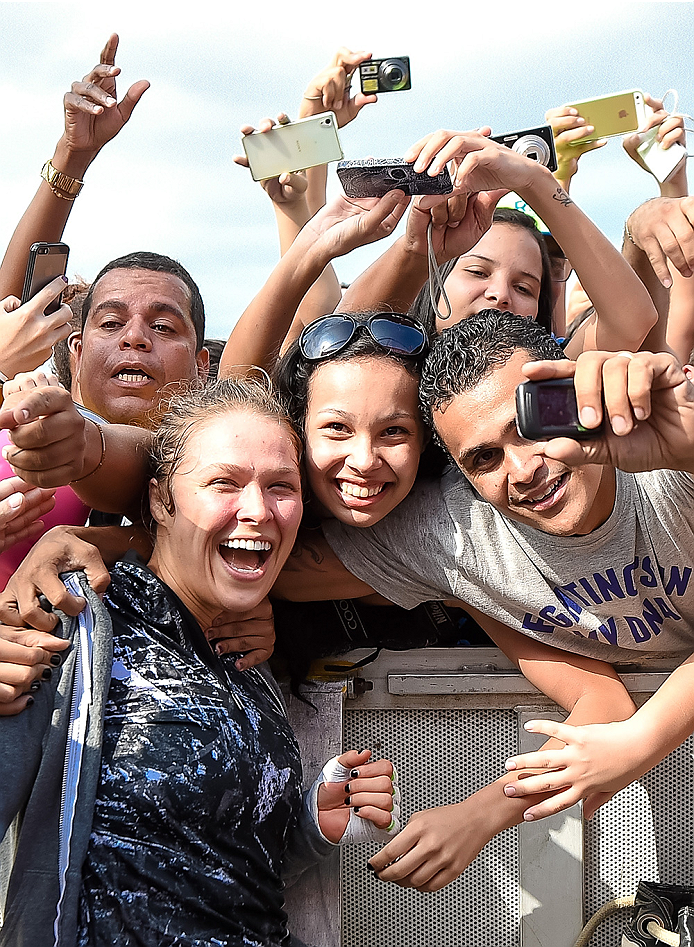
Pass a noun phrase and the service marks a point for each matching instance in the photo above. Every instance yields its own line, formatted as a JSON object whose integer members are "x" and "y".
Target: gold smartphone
{"x": 616, "y": 114}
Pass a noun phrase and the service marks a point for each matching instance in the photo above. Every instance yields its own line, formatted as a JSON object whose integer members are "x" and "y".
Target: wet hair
{"x": 467, "y": 352}
{"x": 423, "y": 310}
{"x": 185, "y": 411}
{"x": 293, "y": 372}
{"x": 157, "y": 263}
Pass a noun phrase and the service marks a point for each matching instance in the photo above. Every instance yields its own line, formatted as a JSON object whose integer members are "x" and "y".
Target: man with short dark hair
{"x": 585, "y": 546}
{"x": 143, "y": 326}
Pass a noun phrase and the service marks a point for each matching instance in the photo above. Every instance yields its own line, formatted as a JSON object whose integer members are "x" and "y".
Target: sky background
{"x": 168, "y": 184}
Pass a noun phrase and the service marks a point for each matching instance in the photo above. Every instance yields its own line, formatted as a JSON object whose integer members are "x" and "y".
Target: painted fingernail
{"x": 35, "y": 686}
{"x": 47, "y": 674}
{"x": 347, "y": 800}
{"x": 354, "y": 773}
{"x": 347, "y": 788}
{"x": 64, "y": 279}
{"x": 356, "y": 809}
{"x": 370, "y": 867}
{"x": 56, "y": 660}
{"x": 30, "y": 701}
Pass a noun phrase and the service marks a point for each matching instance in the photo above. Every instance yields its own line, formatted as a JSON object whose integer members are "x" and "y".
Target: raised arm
{"x": 338, "y": 228}
{"x": 396, "y": 277}
{"x": 93, "y": 116}
{"x": 626, "y": 311}
{"x": 568, "y": 127}
{"x": 288, "y": 194}
{"x": 675, "y": 306}
{"x": 438, "y": 844}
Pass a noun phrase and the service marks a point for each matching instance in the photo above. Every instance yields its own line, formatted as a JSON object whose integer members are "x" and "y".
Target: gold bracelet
{"x": 61, "y": 184}
{"x": 103, "y": 452}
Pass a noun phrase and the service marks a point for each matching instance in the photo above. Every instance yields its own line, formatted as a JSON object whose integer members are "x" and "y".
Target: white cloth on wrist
{"x": 358, "y": 830}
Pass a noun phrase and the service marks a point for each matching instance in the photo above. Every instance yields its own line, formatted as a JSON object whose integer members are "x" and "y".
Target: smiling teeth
{"x": 552, "y": 489}
{"x": 255, "y": 545}
{"x": 131, "y": 376}
{"x": 352, "y": 490}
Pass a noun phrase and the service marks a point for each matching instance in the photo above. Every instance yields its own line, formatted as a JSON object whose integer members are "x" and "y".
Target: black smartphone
{"x": 374, "y": 177}
{"x": 547, "y": 409}
{"x": 46, "y": 261}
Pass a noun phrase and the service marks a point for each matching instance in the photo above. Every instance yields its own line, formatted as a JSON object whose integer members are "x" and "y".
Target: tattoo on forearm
{"x": 562, "y": 197}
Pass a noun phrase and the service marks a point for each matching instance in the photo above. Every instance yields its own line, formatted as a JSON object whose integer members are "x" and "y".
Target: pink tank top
{"x": 69, "y": 510}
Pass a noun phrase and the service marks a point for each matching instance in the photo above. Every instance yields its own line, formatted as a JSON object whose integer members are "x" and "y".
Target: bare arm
{"x": 603, "y": 758}
{"x": 313, "y": 573}
{"x": 675, "y": 305}
{"x": 93, "y": 117}
{"x": 54, "y": 445}
{"x": 335, "y": 230}
{"x": 626, "y": 311}
{"x": 438, "y": 844}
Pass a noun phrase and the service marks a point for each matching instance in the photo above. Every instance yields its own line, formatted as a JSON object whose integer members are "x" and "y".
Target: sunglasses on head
{"x": 330, "y": 334}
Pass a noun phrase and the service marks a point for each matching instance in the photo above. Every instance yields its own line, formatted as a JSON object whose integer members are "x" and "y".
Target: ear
{"x": 157, "y": 507}
{"x": 202, "y": 360}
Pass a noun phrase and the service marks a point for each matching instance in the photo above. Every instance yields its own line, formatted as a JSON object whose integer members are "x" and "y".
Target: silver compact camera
{"x": 385, "y": 75}
{"x": 534, "y": 143}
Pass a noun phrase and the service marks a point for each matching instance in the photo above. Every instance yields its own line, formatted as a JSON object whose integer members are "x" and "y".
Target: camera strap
{"x": 437, "y": 293}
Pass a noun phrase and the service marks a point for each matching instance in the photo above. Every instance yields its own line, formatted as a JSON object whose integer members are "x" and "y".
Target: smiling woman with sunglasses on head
{"x": 350, "y": 382}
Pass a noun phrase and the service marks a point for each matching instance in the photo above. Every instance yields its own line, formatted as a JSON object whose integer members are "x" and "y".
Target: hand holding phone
{"x": 546, "y": 409}
{"x": 46, "y": 262}
{"x": 374, "y": 177}
{"x": 646, "y": 400}
{"x": 610, "y": 115}
{"x": 27, "y": 334}
{"x": 293, "y": 146}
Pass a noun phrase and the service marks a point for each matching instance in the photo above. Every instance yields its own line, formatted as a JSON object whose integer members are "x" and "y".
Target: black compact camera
{"x": 548, "y": 408}
{"x": 385, "y": 75}
{"x": 374, "y": 177}
{"x": 534, "y": 143}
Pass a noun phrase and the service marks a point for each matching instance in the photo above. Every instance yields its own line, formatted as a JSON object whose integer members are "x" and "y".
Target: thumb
{"x": 131, "y": 98}
{"x": 592, "y": 803}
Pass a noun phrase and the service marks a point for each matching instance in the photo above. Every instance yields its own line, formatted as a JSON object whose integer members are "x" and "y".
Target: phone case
{"x": 374, "y": 177}
{"x": 661, "y": 162}
{"x": 617, "y": 114}
{"x": 293, "y": 147}
{"x": 46, "y": 261}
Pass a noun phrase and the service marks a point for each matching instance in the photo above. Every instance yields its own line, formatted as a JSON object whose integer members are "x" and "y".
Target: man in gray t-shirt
{"x": 568, "y": 543}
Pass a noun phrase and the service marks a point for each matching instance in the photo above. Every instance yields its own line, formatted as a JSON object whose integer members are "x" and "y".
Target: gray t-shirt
{"x": 625, "y": 589}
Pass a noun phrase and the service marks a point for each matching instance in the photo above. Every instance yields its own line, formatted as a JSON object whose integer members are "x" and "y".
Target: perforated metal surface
{"x": 442, "y": 756}
{"x": 645, "y": 833}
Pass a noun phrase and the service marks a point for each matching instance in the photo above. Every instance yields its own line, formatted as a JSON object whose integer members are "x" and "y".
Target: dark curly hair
{"x": 466, "y": 352}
